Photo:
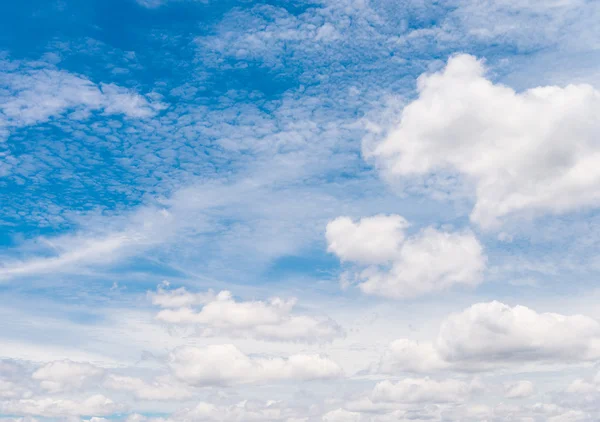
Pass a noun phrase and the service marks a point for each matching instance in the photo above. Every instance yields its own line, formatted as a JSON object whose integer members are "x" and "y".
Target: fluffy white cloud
{"x": 65, "y": 375}
{"x": 402, "y": 267}
{"x": 371, "y": 240}
{"x": 226, "y": 364}
{"x": 491, "y": 335}
{"x": 529, "y": 152}
{"x": 518, "y": 390}
{"x": 154, "y": 390}
{"x": 220, "y": 313}
{"x": 497, "y": 332}
{"x": 57, "y": 407}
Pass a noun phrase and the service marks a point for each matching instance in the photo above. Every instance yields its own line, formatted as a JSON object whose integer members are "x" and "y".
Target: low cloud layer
{"x": 220, "y": 313}
{"x": 225, "y": 364}
{"x": 493, "y": 335}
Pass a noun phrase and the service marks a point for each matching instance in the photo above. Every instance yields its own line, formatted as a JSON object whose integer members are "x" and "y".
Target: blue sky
{"x": 351, "y": 210}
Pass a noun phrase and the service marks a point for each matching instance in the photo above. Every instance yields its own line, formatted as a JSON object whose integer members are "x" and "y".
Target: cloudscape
{"x": 300, "y": 211}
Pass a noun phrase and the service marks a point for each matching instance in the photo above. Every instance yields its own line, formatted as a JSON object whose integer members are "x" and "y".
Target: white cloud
{"x": 31, "y": 94}
{"x": 491, "y": 335}
{"x": 86, "y": 251}
{"x": 411, "y": 399}
{"x": 494, "y": 331}
{"x": 420, "y": 390}
{"x": 405, "y": 354}
{"x": 525, "y": 153}
{"x": 371, "y": 240}
{"x": 154, "y": 390}
{"x": 226, "y": 364}
{"x": 25, "y": 419}
{"x": 178, "y": 298}
{"x": 220, "y": 313}
{"x": 246, "y": 410}
{"x": 65, "y": 375}
{"x": 538, "y": 412}
{"x": 75, "y": 253}
{"x": 580, "y": 386}
{"x": 242, "y": 411}
{"x": 528, "y": 24}
{"x": 429, "y": 261}
{"x": 58, "y": 407}
{"x": 585, "y": 386}
{"x": 10, "y": 390}
{"x": 341, "y": 415}
{"x": 12, "y": 377}
{"x": 518, "y": 390}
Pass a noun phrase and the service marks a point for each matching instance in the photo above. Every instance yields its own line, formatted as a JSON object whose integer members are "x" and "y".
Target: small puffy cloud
{"x": 530, "y": 152}
{"x": 31, "y": 94}
{"x": 403, "y": 354}
{"x": 398, "y": 266}
{"x": 225, "y": 364}
{"x": 518, "y": 390}
{"x": 491, "y": 335}
{"x": 371, "y": 240}
{"x": 65, "y": 375}
{"x": 58, "y": 407}
{"x": 222, "y": 314}
{"x": 178, "y": 298}
{"x": 154, "y": 390}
